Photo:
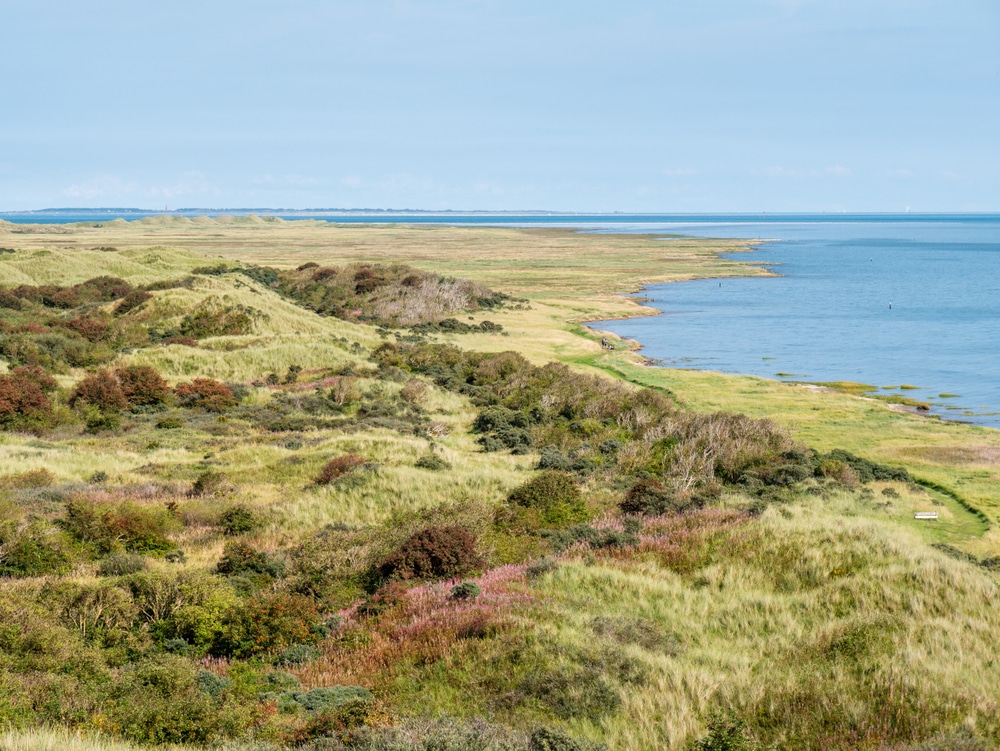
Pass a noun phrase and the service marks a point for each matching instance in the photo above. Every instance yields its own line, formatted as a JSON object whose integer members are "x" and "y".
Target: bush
{"x": 465, "y": 591}
{"x": 337, "y": 468}
{"x": 23, "y": 401}
{"x": 432, "y": 553}
{"x": 101, "y": 390}
{"x": 551, "y": 739}
{"x": 554, "y": 495}
{"x": 541, "y": 567}
{"x": 34, "y": 551}
{"x": 205, "y": 393}
{"x": 726, "y": 733}
{"x": 297, "y": 654}
{"x": 560, "y": 539}
{"x": 330, "y": 697}
{"x": 122, "y": 564}
{"x": 207, "y": 484}
{"x": 432, "y": 462}
{"x": 239, "y": 519}
{"x": 131, "y": 301}
{"x": 120, "y": 527}
{"x": 239, "y": 557}
{"x": 648, "y": 498}
{"x": 267, "y": 624}
{"x": 142, "y": 386}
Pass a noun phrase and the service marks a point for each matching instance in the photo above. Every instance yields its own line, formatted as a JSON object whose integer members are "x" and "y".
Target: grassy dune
{"x": 825, "y": 617}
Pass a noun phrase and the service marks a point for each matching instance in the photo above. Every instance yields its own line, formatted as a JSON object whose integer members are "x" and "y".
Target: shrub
{"x": 414, "y": 392}
{"x": 433, "y": 462}
{"x": 541, "y": 567}
{"x": 122, "y": 564}
{"x": 649, "y": 498}
{"x": 205, "y": 393}
{"x": 297, "y": 654}
{"x": 101, "y": 390}
{"x": 239, "y": 519}
{"x": 432, "y": 553}
{"x": 207, "y": 484}
{"x": 726, "y": 733}
{"x": 142, "y": 386}
{"x": 554, "y": 495}
{"x": 239, "y": 557}
{"x": 23, "y": 402}
{"x": 267, "y": 624}
{"x": 337, "y": 468}
{"x": 869, "y": 471}
{"x": 560, "y": 539}
{"x": 131, "y": 301}
{"x": 124, "y": 526}
{"x": 344, "y": 391}
{"x": 33, "y": 478}
{"x": 35, "y": 550}
{"x": 551, "y": 739}
{"x": 465, "y": 591}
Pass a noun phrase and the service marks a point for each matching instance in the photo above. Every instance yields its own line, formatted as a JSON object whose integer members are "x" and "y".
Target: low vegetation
{"x": 402, "y": 534}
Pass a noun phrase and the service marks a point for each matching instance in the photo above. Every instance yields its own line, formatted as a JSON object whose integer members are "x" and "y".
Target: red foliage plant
{"x": 205, "y": 393}
{"x": 91, "y": 329}
{"x": 337, "y": 468}
{"x": 142, "y": 385}
{"x": 23, "y": 401}
{"x": 102, "y": 390}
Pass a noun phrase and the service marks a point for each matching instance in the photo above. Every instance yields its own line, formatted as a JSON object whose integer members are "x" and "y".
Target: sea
{"x": 907, "y": 303}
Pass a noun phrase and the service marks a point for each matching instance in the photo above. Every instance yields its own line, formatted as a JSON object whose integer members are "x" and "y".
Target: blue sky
{"x": 668, "y": 106}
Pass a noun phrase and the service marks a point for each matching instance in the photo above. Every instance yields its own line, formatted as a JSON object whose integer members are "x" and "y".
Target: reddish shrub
{"x": 142, "y": 385}
{"x": 320, "y": 274}
{"x": 131, "y": 301}
{"x": 101, "y": 390}
{"x": 205, "y": 393}
{"x": 23, "y": 403}
{"x": 337, "y": 468}
{"x": 91, "y": 329}
{"x": 432, "y": 553}
{"x": 186, "y": 341}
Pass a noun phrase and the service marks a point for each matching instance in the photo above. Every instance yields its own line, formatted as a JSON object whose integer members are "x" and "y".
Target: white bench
{"x": 925, "y": 514}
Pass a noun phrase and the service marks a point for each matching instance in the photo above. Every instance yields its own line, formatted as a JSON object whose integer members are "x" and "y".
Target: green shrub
{"x": 554, "y": 495}
{"x": 239, "y": 557}
{"x": 239, "y": 519}
{"x": 432, "y": 553}
{"x": 159, "y": 701}
{"x": 541, "y": 567}
{"x": 649, "y": 498}
{"x": 36, "y": 550}
{"x": 267, "y": 624}
{"x": 120, "y": 527}
{"x": 726, "y": 733}
{"x": 465, "y": 591}
{"x": 551, "y": 739}
{"x": 868, "y": 471}
{"x": 297, "y": 654}
{"x": 433, "y": 462}
{"x": 208, "y": 484}
{"x": 212, "y": 684}
{"x": 122, "y": 564}
{"x": 560, "y": 539}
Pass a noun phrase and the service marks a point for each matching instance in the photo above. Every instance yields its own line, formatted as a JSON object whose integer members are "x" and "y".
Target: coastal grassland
{"x": 190, "y": 572}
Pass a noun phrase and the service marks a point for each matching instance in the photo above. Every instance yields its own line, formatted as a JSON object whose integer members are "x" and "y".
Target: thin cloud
{"x": 98, "y": 187}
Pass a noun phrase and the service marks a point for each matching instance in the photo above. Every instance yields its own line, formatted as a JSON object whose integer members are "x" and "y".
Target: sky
{"x": 632, "y": 105}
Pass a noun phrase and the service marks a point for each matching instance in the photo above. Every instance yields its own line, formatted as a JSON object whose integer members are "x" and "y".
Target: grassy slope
{"x": 754, "y": 626}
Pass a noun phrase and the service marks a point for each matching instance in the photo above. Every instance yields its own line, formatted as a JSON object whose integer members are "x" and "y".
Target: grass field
{"x": 818, "y": 614}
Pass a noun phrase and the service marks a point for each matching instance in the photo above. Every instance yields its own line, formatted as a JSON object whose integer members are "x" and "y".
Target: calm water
{"x": 827, "y": 317}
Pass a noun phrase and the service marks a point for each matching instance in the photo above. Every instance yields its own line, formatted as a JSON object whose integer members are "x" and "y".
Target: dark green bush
{"x": 465, "y": 591}
{"x": 560, "y": 539}
{"x": 726, "y": 733}
{"x": 208, "y": 483}
{"x": 869, "y": 471}
{"x": 431, "y": 553}
{"x": 35, "y": 550}
{"x": 649, "y": 498}
{"x": 433, "y": 462}
{"x": 239, "y": 519}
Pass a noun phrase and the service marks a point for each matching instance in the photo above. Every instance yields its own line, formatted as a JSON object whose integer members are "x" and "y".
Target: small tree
{"x": 142, "y": 386}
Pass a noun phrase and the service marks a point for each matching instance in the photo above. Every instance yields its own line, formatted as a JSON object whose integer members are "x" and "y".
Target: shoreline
{"x": 901, "y": 405}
